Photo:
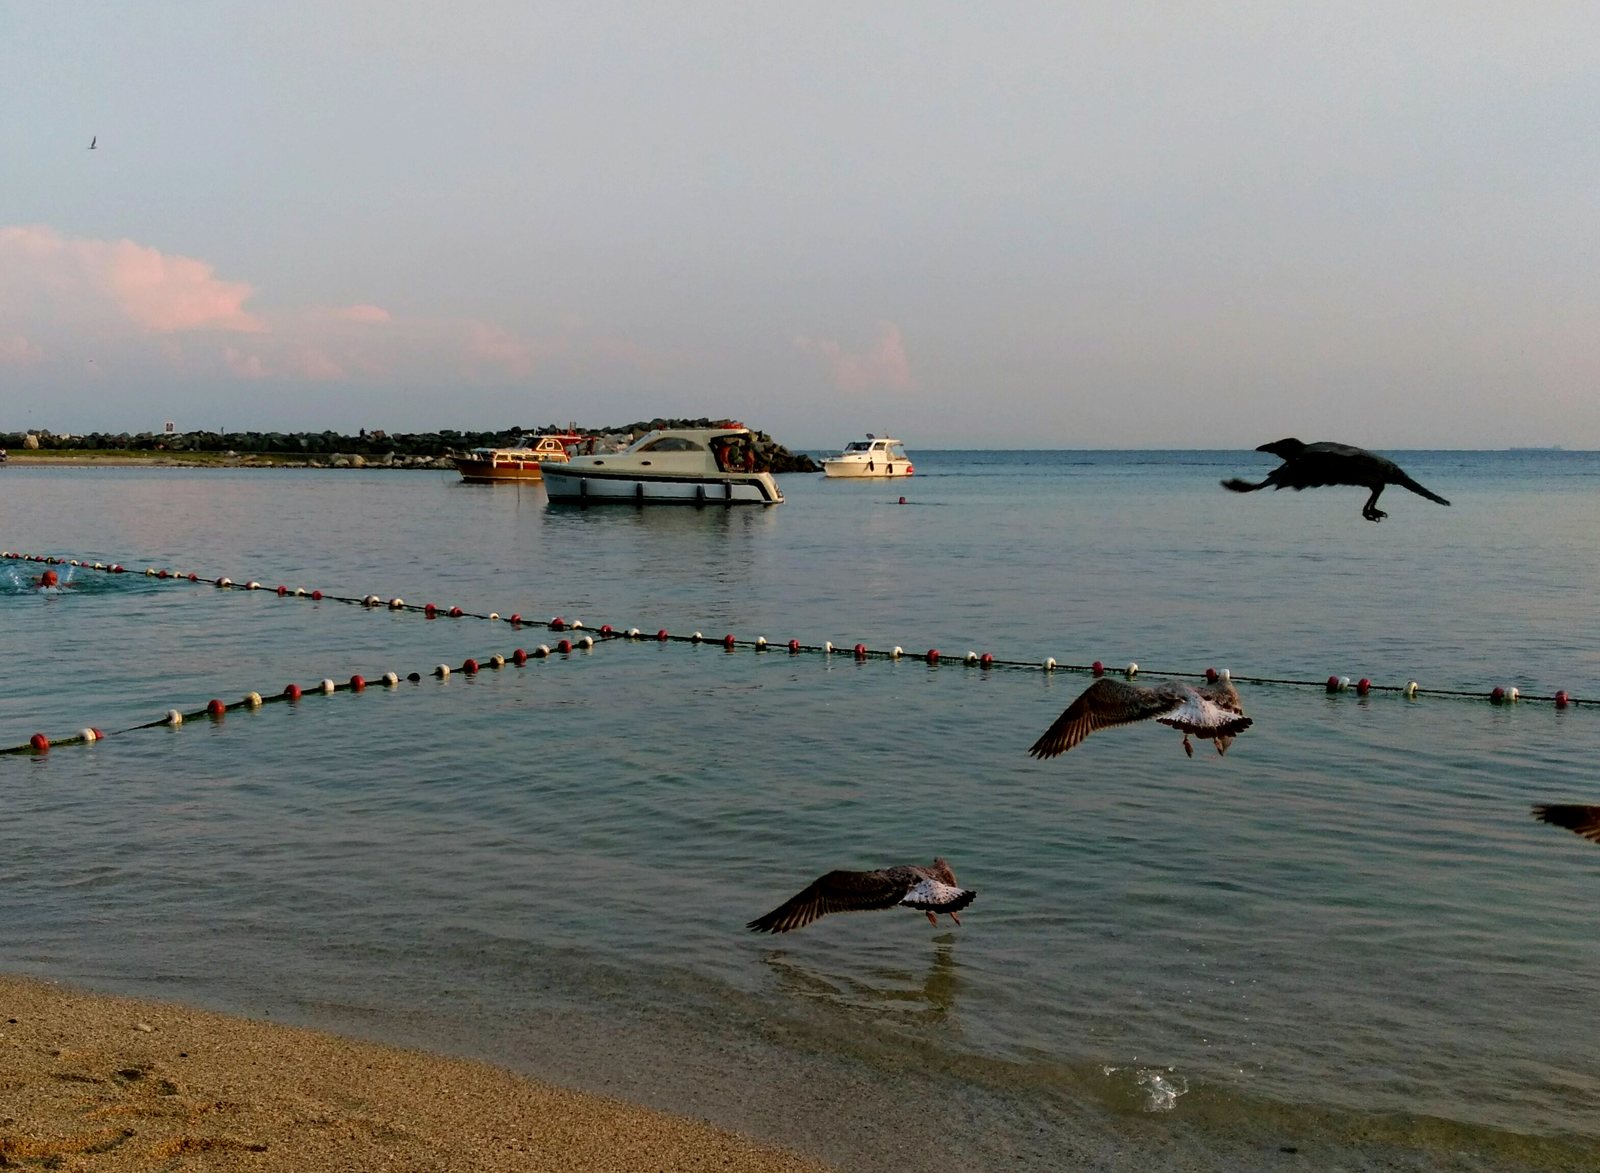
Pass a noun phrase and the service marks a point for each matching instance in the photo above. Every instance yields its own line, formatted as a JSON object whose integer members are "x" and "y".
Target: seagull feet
{"x": 1373, "y": 514}
{"x": 933, "y": 918}
{"x": 955, "y": 918}
{"x": 1187, "y": 748}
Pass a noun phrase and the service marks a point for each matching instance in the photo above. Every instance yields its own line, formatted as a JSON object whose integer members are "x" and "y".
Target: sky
{"x": 1007, "y": 224}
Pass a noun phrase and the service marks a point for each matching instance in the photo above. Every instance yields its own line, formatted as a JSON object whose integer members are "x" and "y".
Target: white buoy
{"x": 1132, "y": 671}
{"x": 575, "y": 624}
{"x": 972, "y": 657}
{"x": 827, "y": 648}
{"x": 299, "y": 592}
{"x": 542, "y": 651}
{"x": 1050, "y": 664}
{"x": 253, "y": 699}
{"x": 494, "y": 616}
{"x": 252, "y": 585}
{"x": 174, "y": 717}
{"x": 1344, "y": 684}
{"x": 327, "y": 685}
{"x": 1410, "y": 689}
{"x": 1513, "y": 695}
{"x": 696, "y": 637}
{"x": 224, "y": 581}
{"x": 442, "y": 671}
{"x": 391, "y": 679}
{"x": 396, "y": 603}
{"x": 586, "y": 642}
{"x": 149, "y": 571}
{"x": 1225, "y": 675}
{"x": 90, "y": 734}
{"x": 761, "y": 641}
{"x": 497, "y": 661}
{"x": 633, "y": 633}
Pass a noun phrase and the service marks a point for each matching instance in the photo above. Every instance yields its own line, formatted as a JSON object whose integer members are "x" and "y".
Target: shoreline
{"x": 103, "y": 1082}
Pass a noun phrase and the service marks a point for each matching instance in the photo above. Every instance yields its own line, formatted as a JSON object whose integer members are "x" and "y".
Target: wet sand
{"x": 90, "y": 1082}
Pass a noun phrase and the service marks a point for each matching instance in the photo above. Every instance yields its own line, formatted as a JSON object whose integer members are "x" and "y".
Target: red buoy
{"x": 794, "y": 646}
{"x": 1363, "y": 686}
{"x": 469, "y": 666}
{"x": 357, "y": 683}
{"x": 1098, "y": 668}
{"x": 557, "y": 623}
{"x": 1211, "y": 675}
{"x": 605, "y": 631}
{"x": 215, "y": 707}
{"x": 1333, "y": 684}
{"x": 429, "y": 610}
{"x": 193, "y": 577}
{"x": 728, "y": 641}
{"x": 1562, "y": 699}
{"x": 98, "y": 736}
{"x": 455, "y": 612}
{"x": 662, "y": 635}
{"x": 1497, "y": 695}
{"x": 282, "y": 590}
{"x": 861, "y": 651}
{"x": 902, "y": 500}
{"x": 933, "y": 655}
{"x": 519, "y": 657}
{"x": 516, "y": 619}
{"x": 564, "y": 647}
{"x": 163, "y": 574}
{"x": 39, "y": 743}
{"x": 292, "y": 691}
{"x": 316, "y": 594}
{"x": 986, "y": 660}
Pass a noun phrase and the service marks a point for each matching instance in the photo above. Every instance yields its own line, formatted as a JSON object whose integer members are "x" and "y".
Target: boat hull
{"x": 858, "y": 470}
{"x": 590, "y": 486}
{"x": 484, "y": 472}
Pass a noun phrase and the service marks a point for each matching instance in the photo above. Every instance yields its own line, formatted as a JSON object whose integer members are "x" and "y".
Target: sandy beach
{"x": 92, "y": 1082}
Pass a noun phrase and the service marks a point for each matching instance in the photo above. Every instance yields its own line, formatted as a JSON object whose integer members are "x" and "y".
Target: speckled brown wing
{"x": 1103, "y": 704}
{"x": 839, "y": 891}
{"x": 1579, "y": 819}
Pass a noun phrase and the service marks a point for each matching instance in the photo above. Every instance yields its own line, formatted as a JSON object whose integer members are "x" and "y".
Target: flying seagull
{"x": 1582, "y": 820}
{"x": 1310, "y": 466}
{"x": 92, "y": 140}
{"x": 932, "y": 889}
{"x": 1208, "y": 711}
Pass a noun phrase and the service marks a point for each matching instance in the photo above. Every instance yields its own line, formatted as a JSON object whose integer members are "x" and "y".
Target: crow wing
{"x": 1579, "y": 819}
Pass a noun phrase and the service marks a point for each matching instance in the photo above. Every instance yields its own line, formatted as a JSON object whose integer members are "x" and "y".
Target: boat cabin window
{"x": 859, "y": 446}
{"x": 672, "y": 444}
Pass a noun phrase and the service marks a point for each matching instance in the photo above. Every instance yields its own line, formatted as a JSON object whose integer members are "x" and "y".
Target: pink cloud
{"x": 160, "y": 292}
{"x": 490, "y": 345}
{"x": 17, "y": 351}
{"x": 882, "y": 367}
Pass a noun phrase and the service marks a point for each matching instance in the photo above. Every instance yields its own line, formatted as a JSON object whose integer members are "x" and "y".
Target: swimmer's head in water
{"x": 49, "y": 578}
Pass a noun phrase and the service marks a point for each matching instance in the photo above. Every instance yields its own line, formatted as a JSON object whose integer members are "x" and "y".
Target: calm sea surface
{"x": 1345, "y": 945}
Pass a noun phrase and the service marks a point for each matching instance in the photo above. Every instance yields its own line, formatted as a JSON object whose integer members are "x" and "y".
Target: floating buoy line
{"x": 985, "y": 661}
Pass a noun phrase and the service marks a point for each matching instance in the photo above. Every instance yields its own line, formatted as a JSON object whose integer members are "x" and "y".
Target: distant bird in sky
{"x": 932, "y": 889}
{"x": 93, "y": 139}
{"x": 1208, "y": 711}
{"x": 1310, "y": 466}
{"x": 1579, "y": 819}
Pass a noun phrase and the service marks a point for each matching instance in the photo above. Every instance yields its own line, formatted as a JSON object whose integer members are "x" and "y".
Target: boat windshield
{"x": 672, "y": 444}
{"x": 859, "y": 446}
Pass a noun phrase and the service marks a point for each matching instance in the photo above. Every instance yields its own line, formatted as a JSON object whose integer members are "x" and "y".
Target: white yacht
{"x": 876, "y": 456}
{"x": 689, "y": 466}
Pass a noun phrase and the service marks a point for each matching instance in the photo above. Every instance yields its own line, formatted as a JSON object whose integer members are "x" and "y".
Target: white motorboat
{"x": 687, "y": 466}
{"x": 876, "y": 456}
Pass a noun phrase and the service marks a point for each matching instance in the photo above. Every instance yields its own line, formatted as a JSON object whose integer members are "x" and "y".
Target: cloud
{"x": 362, "y": 313}
{"x": 490, "y": 345}
{"x": 882, "y": 367}
{"x": 311, "y": 363}
{"x": 17, "y": 351}
{"x": 246, "y": 366}
{"x": 159, "y": 292}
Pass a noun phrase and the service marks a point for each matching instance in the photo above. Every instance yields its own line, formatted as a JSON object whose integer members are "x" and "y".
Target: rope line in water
{"x": 933, "y": 657}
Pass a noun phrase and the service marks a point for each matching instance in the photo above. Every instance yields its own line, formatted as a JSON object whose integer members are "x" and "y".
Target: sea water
{"x": 1346, "y": 943}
